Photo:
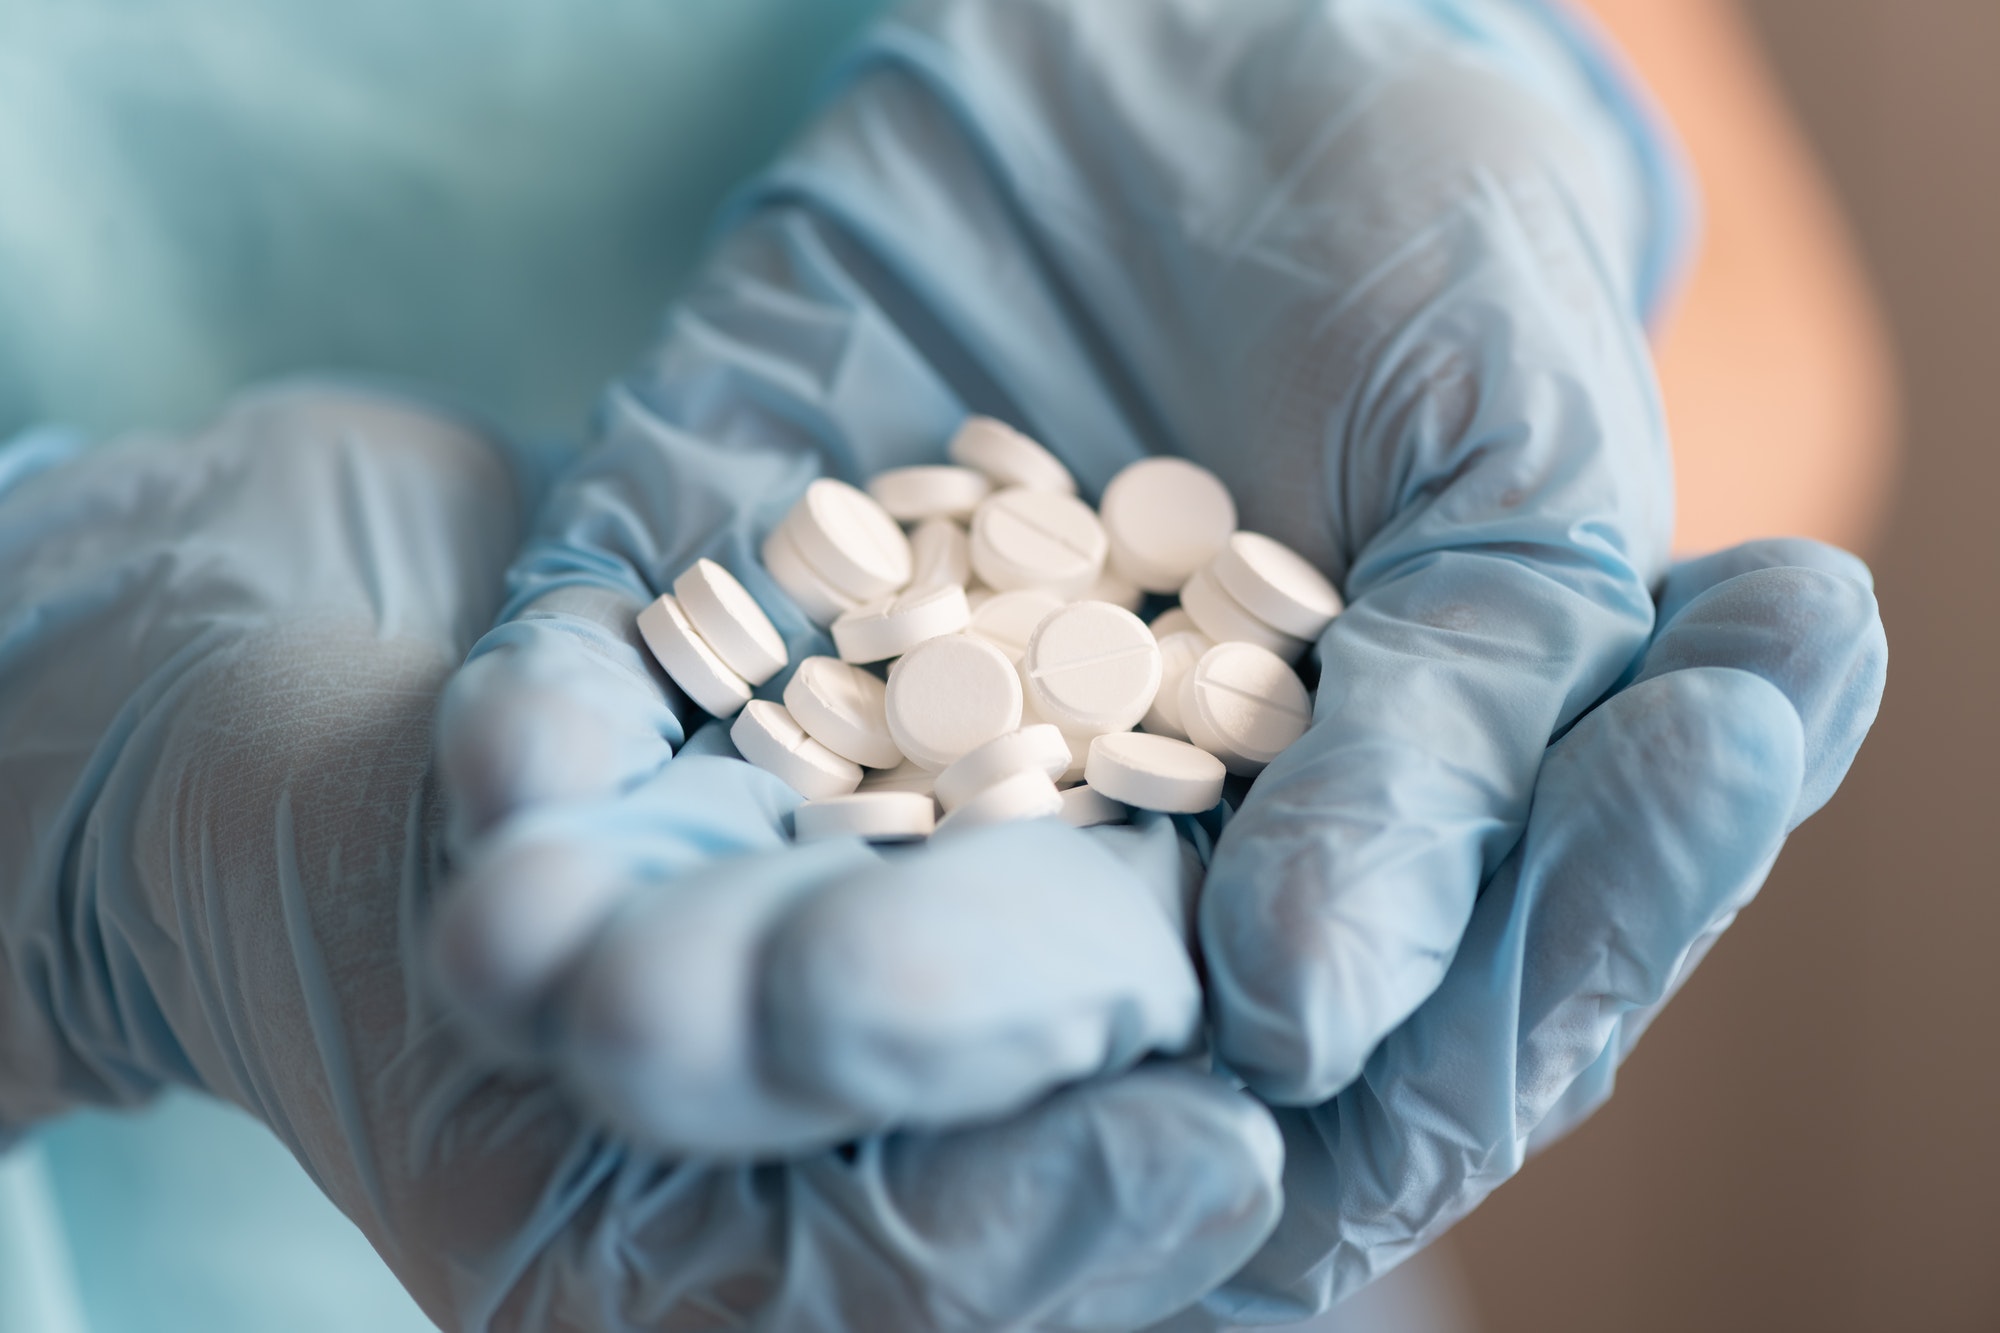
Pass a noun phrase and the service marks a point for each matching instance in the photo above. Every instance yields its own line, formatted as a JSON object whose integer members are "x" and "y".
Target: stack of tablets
{"x": 990, "y": 658}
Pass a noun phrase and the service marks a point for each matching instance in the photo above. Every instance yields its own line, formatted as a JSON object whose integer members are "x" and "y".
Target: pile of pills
{"x": 991, "y": 662}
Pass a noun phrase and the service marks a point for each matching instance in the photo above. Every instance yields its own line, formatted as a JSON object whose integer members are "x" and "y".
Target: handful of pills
{"x": 991, "y": 661}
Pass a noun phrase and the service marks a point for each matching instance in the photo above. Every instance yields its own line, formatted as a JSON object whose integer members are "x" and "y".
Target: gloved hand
{"x": 1381, "y": 266}
{"x": 220, "y": 658}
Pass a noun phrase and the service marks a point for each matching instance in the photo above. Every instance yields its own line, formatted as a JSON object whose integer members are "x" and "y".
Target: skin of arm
{"x": 1779, "y": 380}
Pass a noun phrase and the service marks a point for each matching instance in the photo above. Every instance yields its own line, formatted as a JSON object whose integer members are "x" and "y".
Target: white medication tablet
{"x": 1174, "y": 620}
{"x": 1244, "y": 706}
{"x": 724, "y": 613}
{"x": 1024, "y": 796}
{"x": 771, "y": 738}
{"x": 686, "y": 656}
{"x": 891, "y": 627}
{"x": 1007, "y": 620}
{"x": 1086, "y": 807}
{"x": 1008, "y": 457}
{"x": 912, "y": 494}
{"x": 1092, "y": 668}
{"x": 905, "y": 776}
{"x": 1166, "y": 518}
{"x": 1037, "y": 539}
{"x": 940, "y": 555}
{"x": 1114, "y": 588}
{"x": 1079, "y": 746}
{"x": 947, "y": 697}
{"x": 848, "y": 540}
{"x": 1224, "y": 619}
{"x": 1277, "y": 585}
{"x": 821, "y": 602}
{"x": 1039, "y": 748}
{"x": 1178, "y": 655}
{"x": 842, "y": 707}
{"x": 1154, "y": 773}
{"x": 878, "y": 816}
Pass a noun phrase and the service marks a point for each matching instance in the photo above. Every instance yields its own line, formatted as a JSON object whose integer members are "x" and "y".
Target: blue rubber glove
{"x": 1378, "y": 265}
{"x": 220, "y": 659}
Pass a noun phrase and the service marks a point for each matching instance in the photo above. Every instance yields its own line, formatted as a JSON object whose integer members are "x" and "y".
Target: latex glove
{"x": 1379, "y": 265}
{"x": 1655, "y": 822}
{"x": 220, "y": 658}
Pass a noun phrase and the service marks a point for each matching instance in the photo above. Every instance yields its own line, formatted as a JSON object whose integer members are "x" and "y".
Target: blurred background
{"x": 1807, "y": 1137}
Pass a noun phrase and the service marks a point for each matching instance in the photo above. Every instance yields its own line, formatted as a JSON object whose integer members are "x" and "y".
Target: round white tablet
{"x": 905, "y": 776}
{"x": 1037, "y": 539}
{"x": 848, "y": 540}
{"x": 1244, "y": 706}
{"x": 686, "y": 656}
{"x": 1113, "y": 587}
{"x": 841, "y": 707}
{"x": 1178, "y": 655}
{"x": 1086, "y": 807}
{"x": 1024, "y": 796}
{"x": 1277, "y": 585}
{"x": 1174, "y": 620}
{"x": 1039, "y": 748}
{"x": 891, "y": 627}
{"x": 1155, "y": 772}
{"x": 1224, "y": 619}
{"x": 1166, "y": 518}
{"x": 1007, "y": 620}
{"x": 912, "y": 494}
{"x": 821, "y": 602}
{"x": 724, "y": 613}
{"x": 771, "y": 738}
{"x": 878, "y": 816}
{"x": 939, "y": 555}
{"x": 1079, "y": 746}
{"x": 1008, "y": 457}
{"x": 1092, "y": 668}
{"x": 949, "y": 696}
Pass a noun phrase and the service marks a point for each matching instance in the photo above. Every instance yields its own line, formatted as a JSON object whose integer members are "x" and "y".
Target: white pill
{"x": 1166, "y": 518}
{"x": 1079, "y": 746}
{"x": 939, "y": 555}
{"x": 841, "y": 707}
{"x": 1178, "y": 655}
{"x": 724, "y": 613}
{"x": 1037, "y": 539}
{"x": 1155, "y": 772}
{"x": 1244, "y": 706}
{"x": 912, "y": 494}
{"x": 771, "y": 738}
{"x": 821, "y": 602}
{"x": 878, "y": 816}
{"x": 1277, "y": 585}
{"x": 1174, "y": 620}
{"x": 1224, "y": 619}
{"x": 686, "y": 656}
{"x": 848, "y": 540}
{"x": 1024, "y": 796}
{"x": 891, "y": 627}
{"x": 949, "y": 696}
{"x": 1114, "y": 588}
{"x": 1007, "y": 620}
{"x": 1039, "y": 748}
{"x": 905, "y": 776}
{"x": 1087, "y": 807}
{"x": 1008, "y": 457}
{"x": 1092, "y": 668}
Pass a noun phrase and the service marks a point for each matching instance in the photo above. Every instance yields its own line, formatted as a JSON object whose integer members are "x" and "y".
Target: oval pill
{"x": 913, "y": 494}
{"x": 1166, "y": 518}
{"x": 1038, "y": 748}
{"x": 820, "y": 601}
{"x": 1277, "y": 585}
{"x": 878, "y": 816}
{"x": 849, "y": 540}
{"x": 767, "y": 735}
{"x": 1154, "y": 773}
{"x": 842, "y": 707}
{"x": 1244, "y": 706}
{"x": 949, "y": 696}
{"x": 891, "y": 627}
{"x": 1092, "y": 668}
{"x": 724, "y": 613}
{"x": 1226, "y": 620}
{"x": 1008, "y": 457}
{"x": 1027, "y": 795}
{"x": 1037, "y": 539}
{"x": 683, "y": 654}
